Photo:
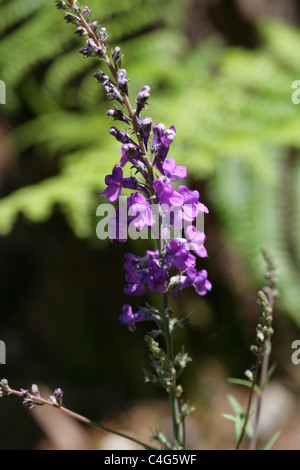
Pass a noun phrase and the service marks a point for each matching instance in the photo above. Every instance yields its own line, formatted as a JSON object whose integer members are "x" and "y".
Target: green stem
{"x": 263, "y": 376}
{"x": 247, "y": 415}
{"x": 176, "y": 416}
{"x": 178, "y": 422}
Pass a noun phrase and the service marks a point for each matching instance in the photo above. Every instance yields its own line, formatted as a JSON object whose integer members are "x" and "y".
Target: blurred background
{"x": 221, "y": 71}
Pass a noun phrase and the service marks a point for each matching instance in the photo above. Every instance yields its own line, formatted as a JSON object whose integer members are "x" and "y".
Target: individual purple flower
{"x": 136, "y": 289}
{"x": 167, "y": 194}
{"x": 157, "y": 277}
{"x": 129, "y": 152}
{"x": 146, "y": 125}
{"x": 114, "y": 184}
{"x": 130, "y": 319}
{"x": 131, "y": 262}
{"x": 195, "y": 241}
{"x": 136, "y": 276}
{"x": 172, "y": 171}
{"x": 178, "y": 255}
{"x": 140, "y": 211}
{"x": 197, "y": 279}
{"x": 186, "y": 208}
{"x": 152, "y": 254}
{"x": 191, "y": 206}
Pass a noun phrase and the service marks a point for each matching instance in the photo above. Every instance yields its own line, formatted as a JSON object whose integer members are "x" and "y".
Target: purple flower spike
{"x": 114, "y": 184}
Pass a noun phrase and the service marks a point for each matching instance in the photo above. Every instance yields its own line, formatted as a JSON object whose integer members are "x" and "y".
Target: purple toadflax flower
{"x": 130, "y": 319}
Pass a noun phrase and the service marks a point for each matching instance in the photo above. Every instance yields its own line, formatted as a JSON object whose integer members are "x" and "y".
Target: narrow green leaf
{"x": 230, "y": 417}
{"x": 272, "y": 441}
{"x": 236, "y": 406}
{"x": 244, "y": 382}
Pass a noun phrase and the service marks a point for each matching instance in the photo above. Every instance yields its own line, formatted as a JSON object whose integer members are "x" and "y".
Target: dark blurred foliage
{"x": 61, "y": 287}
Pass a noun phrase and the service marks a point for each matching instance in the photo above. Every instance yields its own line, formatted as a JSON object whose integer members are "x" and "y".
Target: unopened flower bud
{"x": 120, "y": 136}
{"x": 35, "y": 389}
{"x": 94, "y": 25}
{"x": 254, "y": 349}
{"x": 143, "y": 95}
{"x": 146, "y": 125}
{"x": 58, "y": 394}
{"x": 81, "y": 31}
{"x": 53, "y": 401}
{"x": 103, "y": 36}
{"x": 249, "y": 375}
{"x": 117, "y": 114}
{"x": 70, "y": 18}
{"x": 131, "y": 150}
{"x": 61, "y": 5}
{"x": 86, "y": 11}
{"x": 122, "y": 80}
{"x": 4, "y": 383}
{"x": 260, "y": 337}
{"x": 117, "y": 56}
{"x": 101, "y": 77}
{"x": 28, "y": 403}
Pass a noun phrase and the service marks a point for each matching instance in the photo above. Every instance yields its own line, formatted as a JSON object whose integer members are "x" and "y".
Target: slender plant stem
{"x": 176, "y": 415}
{"x": 247, "y": 415}
{"x": 177, "y": 421}
{"x": 263, "y": 376}
{"x": 38, "y": 400}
